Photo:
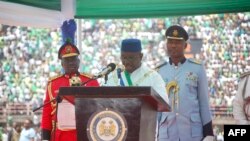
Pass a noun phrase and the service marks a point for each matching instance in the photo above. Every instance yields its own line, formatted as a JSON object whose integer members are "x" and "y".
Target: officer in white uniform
{"x": 241, "y": 105}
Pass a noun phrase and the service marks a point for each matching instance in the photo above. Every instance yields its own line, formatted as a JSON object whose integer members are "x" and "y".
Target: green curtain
{"x": 156, "y": 8}
{"x": 47, "y": 4}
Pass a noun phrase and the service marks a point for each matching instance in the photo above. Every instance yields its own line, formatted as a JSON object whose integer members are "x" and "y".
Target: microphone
{"x": 119, "y": 74}
{"x": 119, "y": 71}
{"x": 106, "y": 70}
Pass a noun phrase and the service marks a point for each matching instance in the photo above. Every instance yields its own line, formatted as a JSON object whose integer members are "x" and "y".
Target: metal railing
{"x": 17, "y": 111}
{"x": 25, "y": 110}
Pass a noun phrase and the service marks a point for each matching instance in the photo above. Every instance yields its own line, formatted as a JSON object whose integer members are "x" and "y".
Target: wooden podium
{"x": 138, "y": 106}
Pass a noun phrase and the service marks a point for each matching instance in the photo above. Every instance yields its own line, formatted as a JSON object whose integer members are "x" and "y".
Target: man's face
{"x": 70, "y": 64}
{"x": 175, "y": 48}
{"x": 26, "y": 124}
{"x": 131, "y": 60}
{"x": 18, "y": 128}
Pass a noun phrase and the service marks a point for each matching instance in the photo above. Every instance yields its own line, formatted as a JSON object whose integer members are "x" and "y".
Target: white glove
{"x": 209, "y": 138}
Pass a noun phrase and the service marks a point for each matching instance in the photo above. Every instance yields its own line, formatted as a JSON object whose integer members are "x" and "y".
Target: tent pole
{"x": 79, "y": 41}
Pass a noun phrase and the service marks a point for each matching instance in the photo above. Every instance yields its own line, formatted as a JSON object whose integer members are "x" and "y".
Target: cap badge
{"x": 175, "y": 33}
{"x": 68, "y": 49}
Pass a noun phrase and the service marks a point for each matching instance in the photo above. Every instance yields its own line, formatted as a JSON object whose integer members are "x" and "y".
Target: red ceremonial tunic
{"x": 49, "y": 116}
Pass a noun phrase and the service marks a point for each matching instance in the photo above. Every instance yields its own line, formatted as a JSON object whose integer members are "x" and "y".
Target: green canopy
{"x": 51, "y": 13}
{"x": 47, "y": 4}
{"x": 156, "y": 8}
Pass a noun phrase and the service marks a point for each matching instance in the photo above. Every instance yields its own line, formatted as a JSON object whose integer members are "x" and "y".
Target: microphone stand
{"x": 91, "y": 79}
{"x": 58, "y": 99}
{"x": 106, "y": 78}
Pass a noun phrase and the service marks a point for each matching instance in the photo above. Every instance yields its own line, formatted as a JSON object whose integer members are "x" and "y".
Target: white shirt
{"x": 229, "y": 100}
{"x": 27, "y": 134}
{"x": 143, "y": 76}
{"x": 66, "y": 116}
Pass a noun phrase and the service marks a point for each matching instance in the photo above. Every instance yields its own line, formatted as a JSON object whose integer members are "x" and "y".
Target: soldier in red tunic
{"x": 60, "y": 125}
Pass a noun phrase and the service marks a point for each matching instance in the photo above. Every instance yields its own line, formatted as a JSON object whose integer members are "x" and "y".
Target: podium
{"x": 115, "y": 113}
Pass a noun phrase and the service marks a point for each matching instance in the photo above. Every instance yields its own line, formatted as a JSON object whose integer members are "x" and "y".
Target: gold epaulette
{"x": 55, "y": 77}
{"x": 244, "y": 74}
{"x": 86, "y": 75}
{"x": 195, "y": 61}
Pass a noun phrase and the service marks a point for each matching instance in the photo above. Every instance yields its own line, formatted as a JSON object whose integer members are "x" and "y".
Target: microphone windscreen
{"x": 112, "y": 66}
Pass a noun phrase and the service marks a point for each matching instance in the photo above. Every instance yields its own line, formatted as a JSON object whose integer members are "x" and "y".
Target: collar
{"x": 138, "y": 69}
{"x": 182, "y": 61}
{"x": 69, "y": 75}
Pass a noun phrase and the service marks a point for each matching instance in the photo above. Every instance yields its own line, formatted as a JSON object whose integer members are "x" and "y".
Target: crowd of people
{"x": 24, "y": 131}
{"x": 29, "y": 55}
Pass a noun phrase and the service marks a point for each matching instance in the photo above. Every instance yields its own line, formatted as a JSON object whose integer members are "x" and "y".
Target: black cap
{"x": 176, "y": 32}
